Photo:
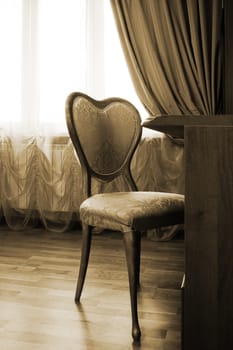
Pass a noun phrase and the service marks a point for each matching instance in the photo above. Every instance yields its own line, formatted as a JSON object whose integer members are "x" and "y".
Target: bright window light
{"x": 50, "y": 48}
{"x": 62, "y": 59}
{"x": 10, "y": 60}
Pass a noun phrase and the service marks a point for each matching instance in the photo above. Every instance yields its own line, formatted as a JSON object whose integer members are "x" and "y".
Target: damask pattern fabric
{"x": 118, "y": 115}
{"x": 125, "y": 210}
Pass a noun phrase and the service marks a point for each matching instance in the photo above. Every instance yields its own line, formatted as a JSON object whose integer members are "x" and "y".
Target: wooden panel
{"x": 208, "y": 302}
{"x": 174, "y": 125}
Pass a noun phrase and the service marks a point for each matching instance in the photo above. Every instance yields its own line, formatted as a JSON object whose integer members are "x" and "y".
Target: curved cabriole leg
{"x": 132, "y": 250}
{"x": 138, "y": 263}
{"x": 85, "y": 252}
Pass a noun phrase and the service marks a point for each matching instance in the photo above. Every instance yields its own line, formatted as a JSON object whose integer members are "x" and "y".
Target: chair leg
{"x": 85, "y": 252}
{"x": 138, "y": 262}
{"x": 132, "y": 250}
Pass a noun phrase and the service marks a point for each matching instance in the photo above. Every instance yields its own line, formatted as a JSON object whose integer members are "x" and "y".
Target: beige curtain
{"x": 41, "y": 179}
{"x": 38, "y": 182}
{"x": 174, "y": 53}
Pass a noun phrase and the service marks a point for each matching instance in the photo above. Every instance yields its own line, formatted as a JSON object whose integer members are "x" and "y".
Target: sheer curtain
{"x": 50, "y": 48}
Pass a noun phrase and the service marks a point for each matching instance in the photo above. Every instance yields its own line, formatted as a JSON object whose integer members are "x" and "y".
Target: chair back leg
{"x": 85, "y": 252}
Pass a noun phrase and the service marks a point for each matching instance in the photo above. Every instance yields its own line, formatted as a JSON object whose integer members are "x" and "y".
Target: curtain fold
{"x": 174, "y": 53}
{"x": 44, "y": 51}
{"x": 41, "y": 178}
{"x": 38, "y": 182}
{"x": 41, "y": 62}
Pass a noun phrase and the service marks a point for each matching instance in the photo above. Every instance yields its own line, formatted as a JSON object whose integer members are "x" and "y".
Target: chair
{"x": 105, "y": 135}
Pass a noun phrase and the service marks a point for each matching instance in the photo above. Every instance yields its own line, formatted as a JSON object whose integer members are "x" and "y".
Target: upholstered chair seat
{"x": 135, "y": 210}
{"x": 105, "y": 135}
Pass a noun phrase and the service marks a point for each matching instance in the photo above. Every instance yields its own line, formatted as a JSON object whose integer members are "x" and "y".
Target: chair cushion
{"x": 124, "y": 211}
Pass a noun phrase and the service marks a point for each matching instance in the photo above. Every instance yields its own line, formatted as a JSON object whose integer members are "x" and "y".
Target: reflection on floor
{"x": 38, "y": 272}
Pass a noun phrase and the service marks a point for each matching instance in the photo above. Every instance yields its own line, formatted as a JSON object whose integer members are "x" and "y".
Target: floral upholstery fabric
{"x": 99, "y": 131}
{"x": 138, "y": 210}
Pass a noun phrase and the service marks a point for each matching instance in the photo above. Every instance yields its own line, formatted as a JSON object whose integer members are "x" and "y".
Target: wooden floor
{"x": 38, "y": 272}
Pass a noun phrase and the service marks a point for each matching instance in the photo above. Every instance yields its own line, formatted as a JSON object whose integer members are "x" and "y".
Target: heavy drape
{"x": 174, "y": 53}
{"x": 173, "y": 50}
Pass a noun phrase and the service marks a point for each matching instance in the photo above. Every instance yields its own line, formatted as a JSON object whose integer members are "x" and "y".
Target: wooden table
{"x": 208, "y": 292}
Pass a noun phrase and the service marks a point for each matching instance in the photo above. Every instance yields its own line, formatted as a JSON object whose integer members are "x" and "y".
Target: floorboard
{"x": 38, "y": 271}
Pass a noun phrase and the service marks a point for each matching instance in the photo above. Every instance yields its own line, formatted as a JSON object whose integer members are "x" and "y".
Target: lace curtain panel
{"x": 38, "y": 181}
{"x": 41, "y": 62}
{"x": 41, "y": 178}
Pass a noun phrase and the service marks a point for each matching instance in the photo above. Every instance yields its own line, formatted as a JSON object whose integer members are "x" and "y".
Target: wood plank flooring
{"x": 38, "y": 272}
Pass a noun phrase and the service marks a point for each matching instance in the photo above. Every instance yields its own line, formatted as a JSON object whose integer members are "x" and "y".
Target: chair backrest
{"x": 104, "y": 133}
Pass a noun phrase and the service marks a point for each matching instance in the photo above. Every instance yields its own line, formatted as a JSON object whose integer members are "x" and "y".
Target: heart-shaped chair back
{"x": 105, "y": 133}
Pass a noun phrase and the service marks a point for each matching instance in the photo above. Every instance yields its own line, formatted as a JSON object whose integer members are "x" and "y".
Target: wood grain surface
{"x": 38, "y": 272}
{"x": 208, "y": 297}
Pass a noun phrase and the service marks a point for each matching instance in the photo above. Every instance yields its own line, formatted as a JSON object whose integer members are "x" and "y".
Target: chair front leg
{"x": 132, "y": 249}
{"x": 85, "y": 252}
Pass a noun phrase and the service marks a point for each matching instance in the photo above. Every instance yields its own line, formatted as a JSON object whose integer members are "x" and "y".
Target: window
{"x": 50, "y": 48}
{"x": 10, "y": 60}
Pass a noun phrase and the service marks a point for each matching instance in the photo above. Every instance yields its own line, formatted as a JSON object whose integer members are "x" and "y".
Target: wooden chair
{"x": 105, "y": 135}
